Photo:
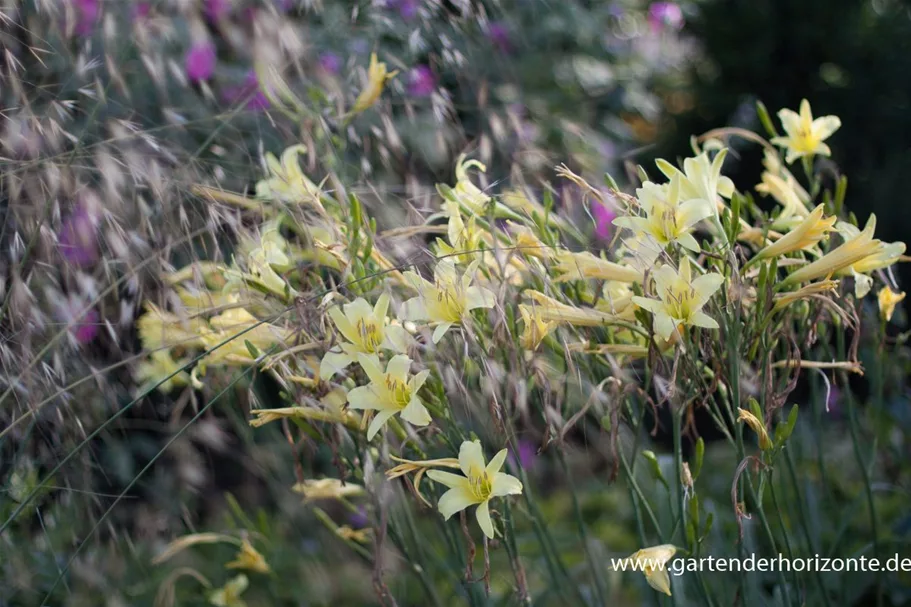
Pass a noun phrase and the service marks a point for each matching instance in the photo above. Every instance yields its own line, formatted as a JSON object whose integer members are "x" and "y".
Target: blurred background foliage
{"x": 114, "y": 109}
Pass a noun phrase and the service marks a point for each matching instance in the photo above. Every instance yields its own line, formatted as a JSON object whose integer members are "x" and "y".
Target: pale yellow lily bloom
{"x": 823, "y": 286}
{"x": 617, "y": 298}
{"x": 287, "y": 182}
{"x": 229, "y": 327}
{"x": 159, "y": 329}
{"x": 885, "y": 254}
{"x": 327, "y": 488}
{"x": 536, "y": 328}
{"x": 377, "y": 76}
{"x": 803, "y": 236}
{"x": 448, "y": 299}
{"x": 548, "y": 309}
{"x": 653, "y": 563}
{"x": 805, "y": 135}
{"x": 527, "y": 243}
{"x": 765, "y": 443}
{"x": 390, "y": 392}
{"x": 249, "y": 558}
{"x": 480, "y": 484}
{"x": 160, "y": 365}
{"x": 681, "y": 299}
{"x": 585, "y": 265}
{"x": 366, "y": 330}
{"x": 857, "y": 246}
{"x": 888, "y": 299}
{"x": 668, "y": 217}
{"x": 229, "y": 594}
{"x": 464, "y": 239}
{"x": 701, "y": 178}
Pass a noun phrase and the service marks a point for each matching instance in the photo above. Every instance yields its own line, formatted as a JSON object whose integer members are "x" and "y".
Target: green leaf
{"x": 697, "y": 459}
{"x": 783, "y": 431}
{"x": 765, "y": 119}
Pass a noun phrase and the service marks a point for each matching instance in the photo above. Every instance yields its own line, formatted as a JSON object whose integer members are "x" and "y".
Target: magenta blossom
{"x": 249, "y": 93}
{"x": 83, "y": 323}
{"x": 142, "y": 10}
{"x": 216, "y": 10}
{"x": 330, "y": 63}
{"x": 665, "y": 15}
{"x": 498, "y": 34}
{"x": 604, "y": 221}
{"x": 87, "y": 14}
{"x": 421, "y": 81}
{"x": 200, "y": 61}
{"x": 77, "y": 239}
{"x": 528, "y": 453}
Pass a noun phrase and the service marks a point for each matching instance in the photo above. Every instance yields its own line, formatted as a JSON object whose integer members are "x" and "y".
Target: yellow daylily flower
{"x": 585, "y": 265}
{"x": 823, "y": 286}
{"x": 701, "y": 178}
{"x": 249, "y": 558}
{"x": 466, "y": 193}
{"x": 765, "y": 443}
{"x": 446, "y": 300}
{"x": 527, "y": 242}
{"x": 203, "y": 300}
{"x": 229, "y": 594}
{"x": 376, "y": 80}
{"x": 883, "y": 256}
{"x": 788, "y": 193}
{"x": 681, "y": 298}
{"x": 367, "y": 331}
{"x": 480, "y": 484}
{"x": 653, "y": 563}
{"x": 159, "y": 329}
{"x": 287, "y": 182}
{"x": 159, "y": 365}
{"x": 548, "y": 309}
{"x": 536, "y": 328}
{"x": 668, "y": 218}
{"x": 617, "y": 298}
{"x": 802, "y": 237}
{"x": 327, "y": 488}
{"x": 888, "y": 299}
{"x": 857, "y": 246}
{"x": 464, "y": 240}
{"x": 389, "y": 392}
{"x": 234, "y": 322}
{"x": 805, "y": 135}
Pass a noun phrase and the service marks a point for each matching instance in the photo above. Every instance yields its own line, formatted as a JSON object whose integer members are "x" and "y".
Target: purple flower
{"x": 528, "y": 453}
{"x": 408, "y": 9}
{"x": 200, "y": 62}
{"x": 77, "y": 239}
{"x": 87, "y": 14}
{"x": 83, "y": 324}
{"x": 142, "y": 10}
{"x": 216, "y": 10}
{"x": 833, "y": 400}
{"x": 665, "y": 15}
{"x": 359, "y": 519}
{"x": 604, "y": 218}
{"x": 330, "y": 63}
{"x": 421, "y": 81}
{"x": 250, "y": 93}
{"x": 498, "y": 34}
{"x": 284, "y": 6}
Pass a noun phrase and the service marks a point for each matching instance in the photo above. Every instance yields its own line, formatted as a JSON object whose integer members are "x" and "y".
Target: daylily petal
{"x": 397, "y": 338}
{"x": 505, "y": 484}
{"x": 332, "y": 363}
{"x": 496, "y": 462}
{"x": 471, "y": 457}
{"x": 479, "y": 297}
{"x": 482, "y": 512}
{"x": 378, "y": 422}
{"x": 416, "y": 413}
{"x": 440, "y": 331}
{"x": 363, "y": 397}
{"x": 455, "y": 500}
{"x": 371, "y": 365}
{"x": 398, "y": 368}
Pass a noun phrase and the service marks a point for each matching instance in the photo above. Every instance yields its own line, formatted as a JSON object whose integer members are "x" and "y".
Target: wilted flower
{"x": 366, "y": 329}
{"x": 884, "y": 255}
{"x": 448, "y": 299}
{"x": 888, "y": 299}
{"x": 756, "y": 425}
{"x": 376, "y": 80}
{"x": 548, "y": 309}
{"x": 857, "y": 246}
{"x": 200, "y": 61}
{"x": 652, "y": 562}
{"x": 249, "y": 558}
{"x": 389, "y": 392}
{"x": 286, "y": 181}
{"x": 479, "y": 485}
{"x": 229, "y": 594}
{"x": 805, "y": 135}
{"x": 681, "y": 299}
{"x": 327, "y": 488}
{"x": 585, "y": 265}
